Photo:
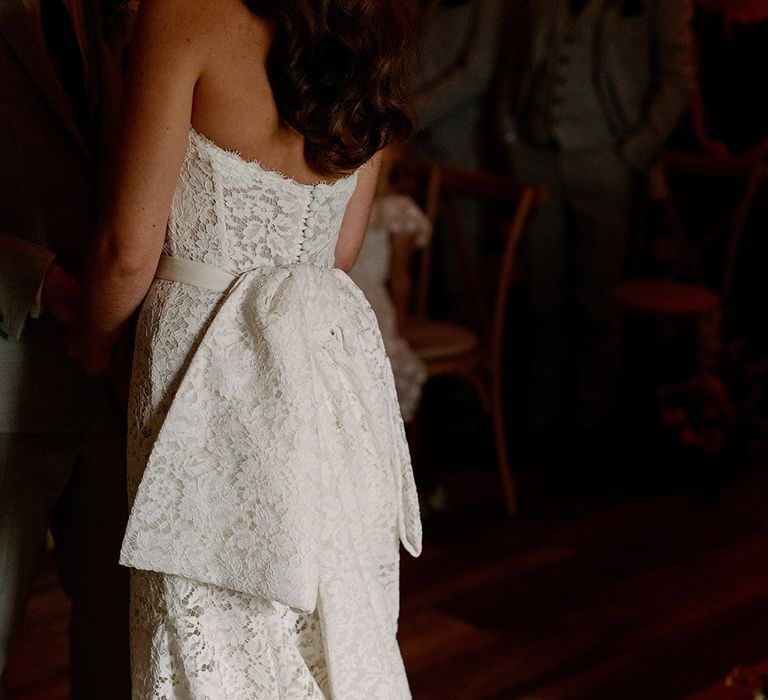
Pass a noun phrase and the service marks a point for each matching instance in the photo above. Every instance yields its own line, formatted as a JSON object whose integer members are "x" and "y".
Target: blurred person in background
{"x": 456, "y": 62}
{"x": 396, "y": 225}
{"x": 457, "y": 56}
{"x": 62, "y": 461}
{"x": 590, "y": 92}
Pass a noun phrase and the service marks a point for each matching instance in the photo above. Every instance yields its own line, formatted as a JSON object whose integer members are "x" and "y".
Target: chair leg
{"x": 493, "y": 403}
{"x": 502, "y": 454}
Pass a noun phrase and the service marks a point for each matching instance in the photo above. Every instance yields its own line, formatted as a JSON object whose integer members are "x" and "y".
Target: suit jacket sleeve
{"x": 675, "y": 79}
{"x": 469, "y": 79}
{"x": 22, "y": 270}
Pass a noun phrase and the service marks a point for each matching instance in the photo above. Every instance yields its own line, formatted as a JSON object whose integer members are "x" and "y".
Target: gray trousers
{"x": 74, "y": 483}
{"x": 572, "y": 257}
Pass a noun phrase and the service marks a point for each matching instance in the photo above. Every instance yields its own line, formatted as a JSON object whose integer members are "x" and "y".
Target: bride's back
{"x": 233, "y": 103}
{"x": 308, "y": 89}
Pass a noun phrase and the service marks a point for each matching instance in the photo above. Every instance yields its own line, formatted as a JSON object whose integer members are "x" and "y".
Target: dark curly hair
{"x": 118, "y": 16}
{"x": 338, "y": 72}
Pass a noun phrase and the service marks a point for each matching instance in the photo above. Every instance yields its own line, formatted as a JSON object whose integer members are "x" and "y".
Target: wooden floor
{"x": 651, "y": 598}
{"x": 633, "y": 591}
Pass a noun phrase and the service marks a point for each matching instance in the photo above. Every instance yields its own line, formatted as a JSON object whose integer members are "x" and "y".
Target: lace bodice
{"x": 235, "y": 214}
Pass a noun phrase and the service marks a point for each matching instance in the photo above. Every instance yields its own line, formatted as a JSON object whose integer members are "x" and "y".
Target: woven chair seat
{"x": 435, "y": 340}
{"x": 666, "y": 297}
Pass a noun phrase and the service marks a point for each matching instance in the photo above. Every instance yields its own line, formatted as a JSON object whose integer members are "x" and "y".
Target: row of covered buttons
{"x": 311, "y": 208}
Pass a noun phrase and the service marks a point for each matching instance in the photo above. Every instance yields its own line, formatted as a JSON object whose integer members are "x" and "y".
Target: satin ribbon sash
{"x": 196, "y": 273}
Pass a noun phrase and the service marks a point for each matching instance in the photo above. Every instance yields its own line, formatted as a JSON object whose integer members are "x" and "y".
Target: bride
{"x": 269, "y": 476}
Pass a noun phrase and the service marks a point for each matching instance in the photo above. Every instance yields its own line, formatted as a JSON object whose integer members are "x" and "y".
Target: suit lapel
{"x": 21, "y": 27}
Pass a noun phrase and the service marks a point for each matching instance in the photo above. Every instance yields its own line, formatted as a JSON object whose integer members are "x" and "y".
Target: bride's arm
{"x": 355, "y": 220}
{"x": 164, "y": 66}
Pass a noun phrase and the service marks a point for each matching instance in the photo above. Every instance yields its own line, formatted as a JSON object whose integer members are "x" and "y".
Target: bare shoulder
{"x": 193, "y": 27}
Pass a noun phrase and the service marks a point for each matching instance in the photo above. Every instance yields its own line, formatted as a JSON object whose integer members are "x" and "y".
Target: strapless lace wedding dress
{"x": 268, "y": 470}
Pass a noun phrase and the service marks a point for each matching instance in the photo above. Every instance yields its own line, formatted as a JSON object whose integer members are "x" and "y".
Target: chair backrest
{"x": 757, "y": 178}
{"x": 749, "y": 176}
{"x": 438, "y": 188}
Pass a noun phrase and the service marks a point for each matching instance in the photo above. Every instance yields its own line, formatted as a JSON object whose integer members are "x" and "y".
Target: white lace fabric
{"x": 268, "y": 467}
{"x": 392, "y": 215}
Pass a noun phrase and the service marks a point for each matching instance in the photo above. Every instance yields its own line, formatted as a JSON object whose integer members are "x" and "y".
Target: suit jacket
{"x": 643, "y": 68}
{"x": 457, "y": 59}
{"x": 48, "y": 205}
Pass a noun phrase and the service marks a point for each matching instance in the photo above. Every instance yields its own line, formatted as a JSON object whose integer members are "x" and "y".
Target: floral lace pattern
{"x": 268, "y": 468}
{"x": 191, "y": 640}
{"x": 392, "y": 215}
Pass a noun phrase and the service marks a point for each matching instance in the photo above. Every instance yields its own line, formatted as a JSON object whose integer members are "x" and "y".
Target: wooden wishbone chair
{"x": 473, "y": 352}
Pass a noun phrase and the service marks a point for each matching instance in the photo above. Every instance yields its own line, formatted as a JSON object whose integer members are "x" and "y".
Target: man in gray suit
{"x": 457, "y": 58}
{"x": 458, "y": 51}
{"x": 61, "y": 432}
{"x": 587, "y": 102}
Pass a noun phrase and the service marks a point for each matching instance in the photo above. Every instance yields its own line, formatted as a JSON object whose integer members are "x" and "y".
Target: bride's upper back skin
{"x": 201, "y": 63}
{"x": 233, "y": 104}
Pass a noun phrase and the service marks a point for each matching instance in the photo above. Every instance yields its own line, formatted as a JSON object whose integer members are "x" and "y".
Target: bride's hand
{"x": 61, "y": 295}
{"x": 122, "y": 367}
{"x": 94, "y": 359}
